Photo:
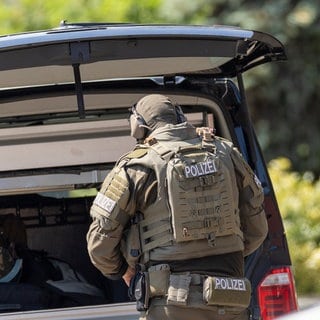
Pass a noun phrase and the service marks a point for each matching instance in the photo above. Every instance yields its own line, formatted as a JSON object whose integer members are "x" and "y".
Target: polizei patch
{"x": 200, "y": 169}
{"x": 104, "y": 202}
{"x": 230, "y": 284}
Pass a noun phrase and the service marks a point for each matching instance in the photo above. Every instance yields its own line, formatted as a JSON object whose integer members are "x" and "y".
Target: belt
{"x": 187, "y": 287}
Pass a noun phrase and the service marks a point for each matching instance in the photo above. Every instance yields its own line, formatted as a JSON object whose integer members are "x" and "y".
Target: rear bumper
{"x": 123, "y": 311}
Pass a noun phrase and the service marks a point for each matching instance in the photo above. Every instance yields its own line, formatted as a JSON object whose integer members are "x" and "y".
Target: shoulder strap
{"x": 163, "y": 151}
{"x": 137, "y": 153}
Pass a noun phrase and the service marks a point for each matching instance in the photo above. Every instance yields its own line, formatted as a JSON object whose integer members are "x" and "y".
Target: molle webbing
{"x": 156, "y": 234}
{"x": 205, "y": 209}
{"x": 200, "y": 206}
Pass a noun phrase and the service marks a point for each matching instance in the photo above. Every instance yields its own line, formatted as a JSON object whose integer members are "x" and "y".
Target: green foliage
{"x": 23, "y": 15}
{"x": 299, "y": 198}
{"x": 283, "y": 97}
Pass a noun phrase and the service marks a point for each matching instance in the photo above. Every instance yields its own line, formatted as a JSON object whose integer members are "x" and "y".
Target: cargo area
{"x": 56, "y": 226}
{"x": 56, "y": 223}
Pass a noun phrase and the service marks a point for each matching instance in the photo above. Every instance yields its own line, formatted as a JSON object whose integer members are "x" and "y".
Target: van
{"x": 64, "y": 99}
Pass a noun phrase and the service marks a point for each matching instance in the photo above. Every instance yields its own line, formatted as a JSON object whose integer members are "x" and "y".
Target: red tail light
{"x": 277, "y": 294}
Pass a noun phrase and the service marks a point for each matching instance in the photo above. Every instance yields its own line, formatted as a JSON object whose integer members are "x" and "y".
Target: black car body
{"x": 64, "y": 99}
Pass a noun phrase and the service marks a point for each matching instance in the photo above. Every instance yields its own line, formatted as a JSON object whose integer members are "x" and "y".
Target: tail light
{"x": 277, "y": 294}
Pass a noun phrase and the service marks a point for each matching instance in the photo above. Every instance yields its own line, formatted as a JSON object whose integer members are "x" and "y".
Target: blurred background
{"x": 284, "y": 97}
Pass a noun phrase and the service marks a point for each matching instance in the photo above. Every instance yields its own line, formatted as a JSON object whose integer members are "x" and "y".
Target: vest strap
{"x": 154, "y": 235}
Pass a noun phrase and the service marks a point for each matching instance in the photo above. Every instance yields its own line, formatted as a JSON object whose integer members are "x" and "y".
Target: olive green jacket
{"x": 132, "y": 187}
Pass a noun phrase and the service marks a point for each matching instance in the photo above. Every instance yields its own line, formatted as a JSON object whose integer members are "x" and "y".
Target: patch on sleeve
{"x": 104, "y": 202}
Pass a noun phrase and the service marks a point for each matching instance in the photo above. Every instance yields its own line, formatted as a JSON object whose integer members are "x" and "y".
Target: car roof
{"x": 113, "y": 51}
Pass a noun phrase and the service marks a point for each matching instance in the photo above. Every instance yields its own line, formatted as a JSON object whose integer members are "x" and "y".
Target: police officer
{"x": 176, "y": 217}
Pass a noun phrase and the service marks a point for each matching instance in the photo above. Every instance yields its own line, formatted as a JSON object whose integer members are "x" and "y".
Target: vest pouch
{"x": 159, "y": 280}
{"x": 179, "y": 285}
{"x": 131, "y": 247}
{"x": 228, "y": 292}
{"x": 139, "y": 290}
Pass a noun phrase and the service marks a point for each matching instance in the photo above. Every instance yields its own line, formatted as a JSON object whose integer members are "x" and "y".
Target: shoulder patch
{"x": 137, "y": 153}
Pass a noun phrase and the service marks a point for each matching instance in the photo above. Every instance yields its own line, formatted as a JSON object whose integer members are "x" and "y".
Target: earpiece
{"x": 137, "y": 124}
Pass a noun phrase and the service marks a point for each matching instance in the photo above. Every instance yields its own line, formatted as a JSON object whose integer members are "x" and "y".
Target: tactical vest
{"x": 197, "y": 203}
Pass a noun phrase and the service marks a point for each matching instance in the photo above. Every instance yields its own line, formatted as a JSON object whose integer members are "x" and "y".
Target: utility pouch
{"x": 225, "y": 291}
{"x": 159, "y": 280}
{"x": 139, "y": 290}
{"x": 178, "y": 289}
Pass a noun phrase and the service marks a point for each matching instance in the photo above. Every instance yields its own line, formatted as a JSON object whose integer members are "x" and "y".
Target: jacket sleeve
{"x": 252, "y": 215}
{"x": 111, "y": 212}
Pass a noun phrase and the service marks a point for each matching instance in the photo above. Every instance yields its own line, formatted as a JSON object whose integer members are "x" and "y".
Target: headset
{"x": 138, "y": 125}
